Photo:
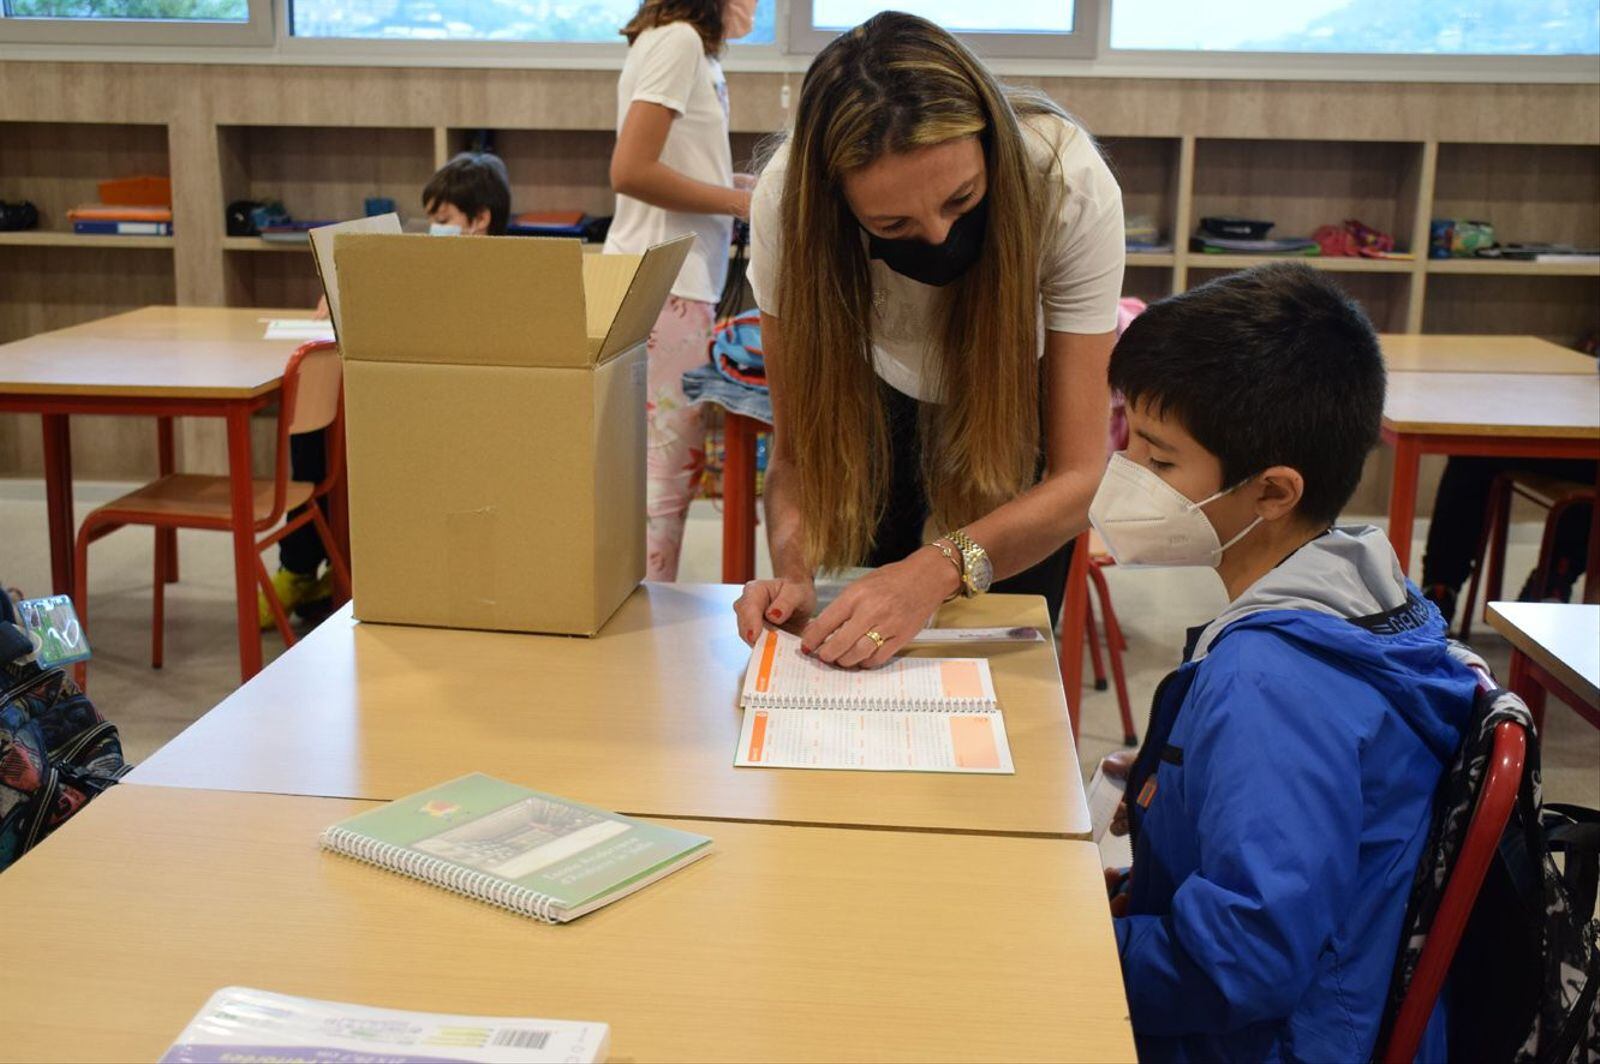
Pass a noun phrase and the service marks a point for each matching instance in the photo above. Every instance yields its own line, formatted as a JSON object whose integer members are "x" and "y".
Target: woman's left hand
{"x": 895, "y": 602}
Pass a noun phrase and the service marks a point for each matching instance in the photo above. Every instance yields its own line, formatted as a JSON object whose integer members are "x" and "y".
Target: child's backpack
{"x": 1523, "y": 985}
{"x": 56, "y": 751}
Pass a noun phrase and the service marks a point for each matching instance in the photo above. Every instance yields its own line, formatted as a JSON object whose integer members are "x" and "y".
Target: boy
{"x": 469, "y": 196}
{"x": 1284, "y": 791}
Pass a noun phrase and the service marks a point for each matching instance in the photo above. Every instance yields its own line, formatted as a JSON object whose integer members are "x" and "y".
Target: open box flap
{"x": 626, "y": 293}
{"x": 483, "y": 301}
{"x": 322, "y": 252}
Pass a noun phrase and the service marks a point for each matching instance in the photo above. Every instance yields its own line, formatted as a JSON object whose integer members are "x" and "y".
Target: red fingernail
{"x": 807, "y": 651}
{"x": 773, "y": 614}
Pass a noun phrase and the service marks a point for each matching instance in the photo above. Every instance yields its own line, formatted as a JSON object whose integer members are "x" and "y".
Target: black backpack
{"x": 56, "y": 751}
{"x": 1524, "y": 982}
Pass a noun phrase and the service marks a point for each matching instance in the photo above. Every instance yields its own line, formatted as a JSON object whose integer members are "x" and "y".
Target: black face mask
{"x": 936, "y": 264}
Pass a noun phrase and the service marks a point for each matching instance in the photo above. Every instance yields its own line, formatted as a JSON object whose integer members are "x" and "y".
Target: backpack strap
{"x": 1575, "y": 831}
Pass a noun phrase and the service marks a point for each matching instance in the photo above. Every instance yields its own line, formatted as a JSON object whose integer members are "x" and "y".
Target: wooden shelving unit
{"x": 255, "y": 243}
{"x": 322, "y": 139}
{"x": 41, "y": 238}
{"x": 1513, "y": 268}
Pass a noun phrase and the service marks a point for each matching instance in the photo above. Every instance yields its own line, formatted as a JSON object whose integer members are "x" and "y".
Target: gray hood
{"x": 1347, "y": 573}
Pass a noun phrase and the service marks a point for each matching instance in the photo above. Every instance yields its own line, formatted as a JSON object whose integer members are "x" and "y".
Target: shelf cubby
{"x": 1300, "y": 185}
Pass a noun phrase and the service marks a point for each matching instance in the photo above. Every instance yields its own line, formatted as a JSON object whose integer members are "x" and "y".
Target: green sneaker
{"x": 292, "y": 590}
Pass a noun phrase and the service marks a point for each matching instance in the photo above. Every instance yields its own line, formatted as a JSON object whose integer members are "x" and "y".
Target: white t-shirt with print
{"x": 668, "y": 65}
{"x": 1080, "y": 269}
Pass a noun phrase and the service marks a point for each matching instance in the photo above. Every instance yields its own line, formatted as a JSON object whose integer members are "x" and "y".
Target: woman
{"x": 937, "y": 260}
{"x": 672, "y": 171}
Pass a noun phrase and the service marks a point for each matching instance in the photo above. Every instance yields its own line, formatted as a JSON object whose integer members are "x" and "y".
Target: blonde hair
{"x": 891, "y": 85}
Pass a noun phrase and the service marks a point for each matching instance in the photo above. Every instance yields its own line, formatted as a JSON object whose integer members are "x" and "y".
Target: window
{"x": 142, "y": 10}
{"x": 561, "y": 21}
{"x": 1374, "y": 27}
{"x": 959, "y": 16}
{"x": 1038, "y": 29}
{"x": 137, "y": 22}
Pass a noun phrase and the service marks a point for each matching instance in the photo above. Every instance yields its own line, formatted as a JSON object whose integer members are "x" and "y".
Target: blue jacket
{"x": 1279, "y": 808}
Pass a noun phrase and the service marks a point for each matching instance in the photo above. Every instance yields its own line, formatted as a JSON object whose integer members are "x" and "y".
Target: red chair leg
{"x": 336, "y": 562}
{"x": 1547, "y": 548}
{"x": 80, "y": 593}
{"x": 1115, "y": 643}
{"x": 1495, "y": 513}
{"x": 1070, "y": 650}
{"x": 1092, "y": 637}
{"x": 279, "y": 618}
{"x": 158, "y": 611}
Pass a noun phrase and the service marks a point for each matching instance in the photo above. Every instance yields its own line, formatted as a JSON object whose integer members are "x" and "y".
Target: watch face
{"x": 982, "y": 571}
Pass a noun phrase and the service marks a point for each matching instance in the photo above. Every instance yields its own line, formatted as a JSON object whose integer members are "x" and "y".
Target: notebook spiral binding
{"x": 926, "y": 705}
{"x": 479, "y": 886}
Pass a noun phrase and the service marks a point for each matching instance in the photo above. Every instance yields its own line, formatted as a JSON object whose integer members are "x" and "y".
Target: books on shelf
{"x": 1217, "y": 245}
{"x": 910, "y": 715}
{"x": 239, "y": 1023}
{"x": 98, "y": 219}
{"x": 123, "y": 228}
{"x": 531, "y": 853}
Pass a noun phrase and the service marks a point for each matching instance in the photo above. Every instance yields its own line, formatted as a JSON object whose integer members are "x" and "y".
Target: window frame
{"x": 266, "y": 40}
{"x": 257, "y": 31}
{"x": 1083, "y": 42}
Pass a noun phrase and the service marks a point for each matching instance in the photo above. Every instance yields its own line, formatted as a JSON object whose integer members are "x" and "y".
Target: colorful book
{"x": 123, "y": 228}
{"x": 532, "y": 853}
{"x": 100, "y": 212}
{"x": 910, "y": 715}
{"x": 239, "y": 1024}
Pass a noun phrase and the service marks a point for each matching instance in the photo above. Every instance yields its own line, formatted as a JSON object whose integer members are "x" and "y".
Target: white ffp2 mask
{"x": 1148, "y": 523}
{"x": 441, "y": 229}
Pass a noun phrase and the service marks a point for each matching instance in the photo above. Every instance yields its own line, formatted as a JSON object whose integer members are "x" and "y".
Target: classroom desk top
{"x": 173, "y": 352}
{"x": 1493, "y": 404}
{"x": 1562, "y": 639}
{"x": 1480, "y": 354}
{"x": 786, "y": 943}
{"x": 644, "y": 719}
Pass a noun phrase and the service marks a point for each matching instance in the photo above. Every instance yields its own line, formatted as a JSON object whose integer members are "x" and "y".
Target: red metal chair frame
{"x": 1496, "y": 798}
{"x": 107, "y": 519}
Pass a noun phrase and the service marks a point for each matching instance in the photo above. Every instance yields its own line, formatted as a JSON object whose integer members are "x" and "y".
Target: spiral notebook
{"x": 532, "y": 853}
{"x": 910, "y": 715}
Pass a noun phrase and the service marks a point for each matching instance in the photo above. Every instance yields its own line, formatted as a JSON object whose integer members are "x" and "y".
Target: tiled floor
{"x": 151, "y": 706}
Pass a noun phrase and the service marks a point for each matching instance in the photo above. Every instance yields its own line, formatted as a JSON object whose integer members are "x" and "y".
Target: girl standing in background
{"x": 672, "y": 171}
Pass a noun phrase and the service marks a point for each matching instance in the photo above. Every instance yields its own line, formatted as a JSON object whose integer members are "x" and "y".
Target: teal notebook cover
{"x": 532, "y": 853}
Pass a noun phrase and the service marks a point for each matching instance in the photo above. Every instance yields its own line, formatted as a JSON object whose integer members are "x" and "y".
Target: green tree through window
{"x": 155, "y": 10}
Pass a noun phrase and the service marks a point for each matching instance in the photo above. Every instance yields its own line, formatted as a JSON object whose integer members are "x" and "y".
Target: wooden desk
{"x": 643, "y": 719}
{"x": 785, "y": 944}
{"x": 160, "y": 362}
{"x": 1517, "y": 415}
{"x": 1556, "y": 648}
{"x": 1409, "y": 352}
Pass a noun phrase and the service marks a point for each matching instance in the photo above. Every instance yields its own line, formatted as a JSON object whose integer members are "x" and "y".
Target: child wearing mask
{"x": 672, "y": 171}
{"x": 469, "y": 196}
{"x": 1284, "y": 791}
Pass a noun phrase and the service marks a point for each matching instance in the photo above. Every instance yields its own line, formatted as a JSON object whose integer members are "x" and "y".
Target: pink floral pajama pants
{"x": 675, "y": 431}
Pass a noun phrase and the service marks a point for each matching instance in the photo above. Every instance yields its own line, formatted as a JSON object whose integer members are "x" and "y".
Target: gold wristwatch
{"x": 977, "y": 572}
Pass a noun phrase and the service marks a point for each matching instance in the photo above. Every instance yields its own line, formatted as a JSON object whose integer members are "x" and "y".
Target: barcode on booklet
{"x": 520, "y": 1038}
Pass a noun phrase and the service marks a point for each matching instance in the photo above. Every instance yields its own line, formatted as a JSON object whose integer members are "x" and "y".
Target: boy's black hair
{"x": 472, "y": 181}
{"x": 1272, "y": 366}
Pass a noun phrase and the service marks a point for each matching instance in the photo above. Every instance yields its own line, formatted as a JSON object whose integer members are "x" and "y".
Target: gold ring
{"x": 876, "y": 638}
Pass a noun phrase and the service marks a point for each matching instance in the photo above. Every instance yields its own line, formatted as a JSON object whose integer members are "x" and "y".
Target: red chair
{"x": 312, "y": 401}
{"x": 1553, "y": 494}
{"x": 1078, "y": 628}
{"x": 1496, "y": 799}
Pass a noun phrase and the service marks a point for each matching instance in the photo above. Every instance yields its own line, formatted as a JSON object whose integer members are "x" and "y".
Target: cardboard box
{"x": 495, "y": 415}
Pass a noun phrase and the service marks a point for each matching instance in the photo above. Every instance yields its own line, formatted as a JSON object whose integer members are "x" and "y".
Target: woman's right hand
{"x": 773, "y": 602}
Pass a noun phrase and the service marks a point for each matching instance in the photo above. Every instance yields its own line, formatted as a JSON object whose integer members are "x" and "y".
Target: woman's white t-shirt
{"x": 1080, "y": 269}
{"x": 668, "y": 65}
